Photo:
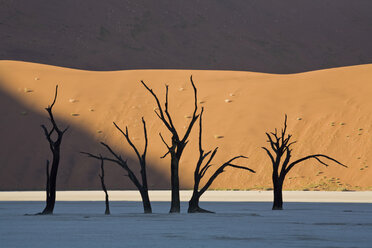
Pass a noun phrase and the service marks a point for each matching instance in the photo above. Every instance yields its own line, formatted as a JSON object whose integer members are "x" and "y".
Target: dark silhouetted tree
{"x": 280, "y": 144}
{"x": 178, "y": 143}
{"x": 55, "y": 147}
{"x": 102, "y": 179}
{"x": 142, "y": 187}
{"x": 201, "y": 169}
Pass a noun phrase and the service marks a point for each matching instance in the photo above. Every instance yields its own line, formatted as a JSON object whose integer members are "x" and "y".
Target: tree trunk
{"x": 194, "y": 205}
{"x": 107, "y": 202}
{"x": 278, "y": 195}
{"x": 107, "y": 211}
{"x": 146, "y": 201}
{"x": 145, "y": 193}
{"x": 175, "y": 203}
{"x": 52, "y": 183}
{"x": 47, "y": 186}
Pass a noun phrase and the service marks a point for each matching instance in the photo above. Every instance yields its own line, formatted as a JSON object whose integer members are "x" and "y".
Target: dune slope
{"x": 271, "y": 36}
{"x": 329, "y": 112}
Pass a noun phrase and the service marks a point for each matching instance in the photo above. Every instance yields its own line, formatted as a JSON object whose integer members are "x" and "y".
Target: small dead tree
{"x": 142, "y": 187}
{"x": 102, "y": 178}
{"x": 281, "y": 144}
{"x": 201, "y": 169}
{"x": 178, "y": 143}
{"x": 54, "y": 145}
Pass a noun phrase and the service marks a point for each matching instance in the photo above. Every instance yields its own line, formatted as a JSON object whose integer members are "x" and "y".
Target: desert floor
{"x": 235, "y": 224}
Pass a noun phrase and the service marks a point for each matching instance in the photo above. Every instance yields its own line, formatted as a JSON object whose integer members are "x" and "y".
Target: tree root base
{"x": 199, "y": 210}
{"x": 277, "y": 208}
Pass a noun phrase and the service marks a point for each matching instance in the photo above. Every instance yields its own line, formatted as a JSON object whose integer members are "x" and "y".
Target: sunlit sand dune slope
{"x": 329, "y": 112}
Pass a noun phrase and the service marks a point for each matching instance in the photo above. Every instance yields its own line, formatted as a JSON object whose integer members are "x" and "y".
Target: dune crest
{"x": 329, "y": 112}
{"x": 284, "y": 36}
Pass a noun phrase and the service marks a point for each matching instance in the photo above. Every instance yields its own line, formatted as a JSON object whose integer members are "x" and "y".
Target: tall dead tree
{"x": 280, "y": 145}
{"x": 178, "y": 143}
{"x": 54, "y": 137}
{"x": 201, "y": 169}
{"x": 102, "y": 179}
{"x": 117, "y": 159}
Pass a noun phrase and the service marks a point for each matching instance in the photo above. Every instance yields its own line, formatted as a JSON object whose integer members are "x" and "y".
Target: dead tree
{"x": 142, "y": 187}
{"x": 178, "y": 143}
{"x": 54, "y": 145}
{"x": 102, "y": 178}
{"x": 201, "y": 169}
{"x": 280, "y": 145}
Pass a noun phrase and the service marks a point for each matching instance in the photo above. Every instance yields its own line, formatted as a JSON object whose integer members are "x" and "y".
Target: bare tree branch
{"x": 270, "y": 155}
{"x": 146, "y": 139}
{"x": 118, "y": 157}
{"x": 221, "y": 169}
{"x": 241, "y": 167}
{"x": 204, "y": 170}
{"x": 194, "y": 115}
{"x": 142, "y": 188}
{"x": 178, "y": 145}
{"x": 281, "y": 146}
{"x": 166, "y": 110}
{"x": 316, "y": 156}
{"x": 165, "y": 143}
{"x": 274, "y": 145}
{"x": 55, "y": 98}
{"x": 207, "y": 164}
{"x": 99, "y": 157}
{"x": 126, "y": 135}
{"x": 118, "y": 161}
{"x": 54, "y": 146}
{"x": 161, "y": 113}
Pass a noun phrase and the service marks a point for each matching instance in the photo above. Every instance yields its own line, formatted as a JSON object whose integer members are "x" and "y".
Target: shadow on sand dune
{"x": 24, "y": 151}
{"x": 286, "y": 36}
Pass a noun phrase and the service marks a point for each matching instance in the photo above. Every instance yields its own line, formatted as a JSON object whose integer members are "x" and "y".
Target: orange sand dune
{"x": 329, "y": 112}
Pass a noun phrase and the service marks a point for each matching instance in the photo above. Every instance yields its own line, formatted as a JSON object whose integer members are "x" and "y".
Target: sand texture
{"x": 329, "y": 111}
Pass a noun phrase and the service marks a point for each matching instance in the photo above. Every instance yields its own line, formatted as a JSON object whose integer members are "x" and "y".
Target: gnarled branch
{"x": 315, "y": 156}
{"x": 281, "y": 145}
